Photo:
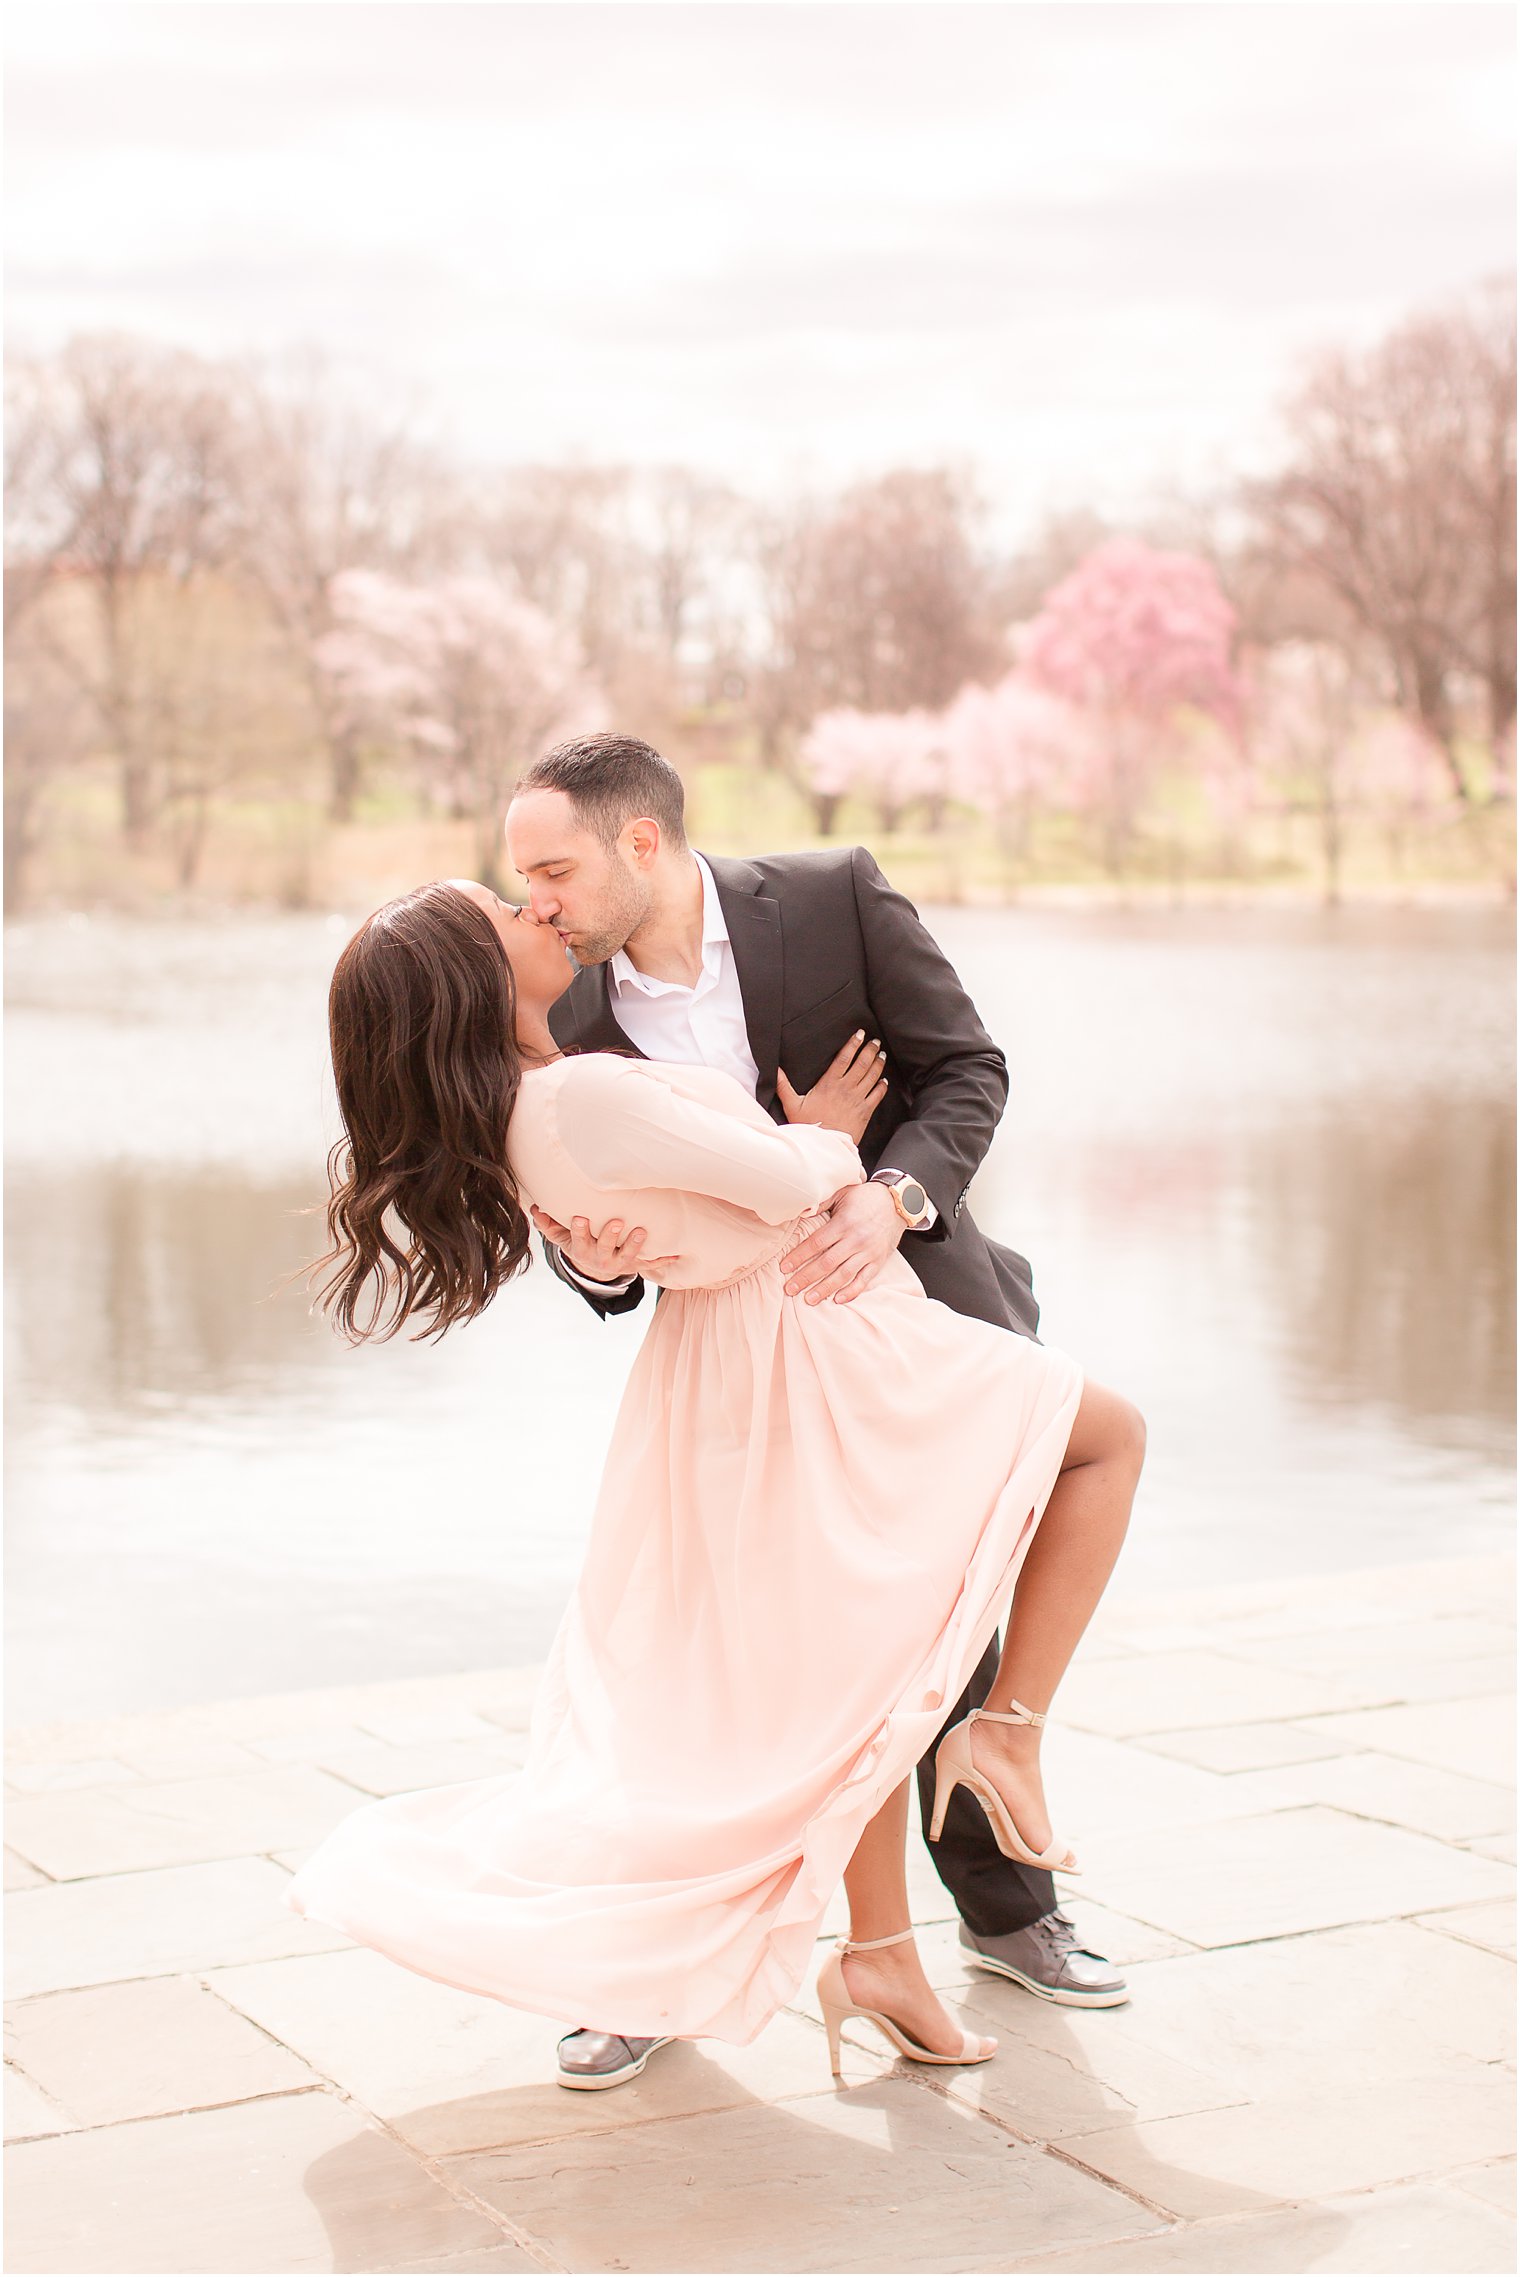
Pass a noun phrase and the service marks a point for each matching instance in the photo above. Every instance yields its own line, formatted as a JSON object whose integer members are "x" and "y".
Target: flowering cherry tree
{"x": 1402, "y": 777}
{"x": 1133, "y": 636}
{"x": 471, "y": 679}
{"x": 1306, "y": 704}
{"x": 890, "y": 758}
{"x": 1012, "y": 747}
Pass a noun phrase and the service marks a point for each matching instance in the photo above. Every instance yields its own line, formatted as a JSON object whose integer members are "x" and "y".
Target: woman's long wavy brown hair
{"x": 424, "y": 1217}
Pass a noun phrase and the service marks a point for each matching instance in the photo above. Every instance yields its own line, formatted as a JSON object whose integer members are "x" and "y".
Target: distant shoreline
{"x": 1142, "y": 895}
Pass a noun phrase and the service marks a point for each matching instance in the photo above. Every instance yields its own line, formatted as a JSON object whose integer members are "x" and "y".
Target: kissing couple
{"x": 841, "y": 1460}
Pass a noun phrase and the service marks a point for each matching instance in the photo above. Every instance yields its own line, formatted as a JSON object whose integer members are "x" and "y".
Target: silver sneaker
{"x": 1046, "y": 1960}
{"x": 603, "y": 2059}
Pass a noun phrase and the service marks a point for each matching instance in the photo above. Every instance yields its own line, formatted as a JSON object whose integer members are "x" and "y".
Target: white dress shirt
{"x": 701, "y": 1026}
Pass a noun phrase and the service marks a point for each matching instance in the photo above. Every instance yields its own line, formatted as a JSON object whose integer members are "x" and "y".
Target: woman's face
{"x": 542, "y": 967}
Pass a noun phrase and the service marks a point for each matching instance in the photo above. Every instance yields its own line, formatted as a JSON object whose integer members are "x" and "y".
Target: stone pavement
{"x": 1293, "y": 1806}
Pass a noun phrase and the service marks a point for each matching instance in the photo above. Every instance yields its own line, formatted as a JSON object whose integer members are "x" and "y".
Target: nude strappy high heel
{"x": 953, "y": 1767}
{"x": 834, "y": 1999}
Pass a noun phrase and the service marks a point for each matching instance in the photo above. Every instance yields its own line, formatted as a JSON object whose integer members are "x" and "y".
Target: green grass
{"x": 284, "y": 850}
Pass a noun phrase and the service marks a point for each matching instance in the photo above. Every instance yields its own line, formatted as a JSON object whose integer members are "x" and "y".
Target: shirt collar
{"x": 625, "y": 975}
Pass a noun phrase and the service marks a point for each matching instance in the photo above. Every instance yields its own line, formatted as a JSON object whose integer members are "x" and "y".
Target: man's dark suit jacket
{"x": 824, "y": 945}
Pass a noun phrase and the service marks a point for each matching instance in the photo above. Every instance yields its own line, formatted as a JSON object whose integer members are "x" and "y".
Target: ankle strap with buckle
{"x": 1018, "y": 1714}
{"x": 875, "y": 1944}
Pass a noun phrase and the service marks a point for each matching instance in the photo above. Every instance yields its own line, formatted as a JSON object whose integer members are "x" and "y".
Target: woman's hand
{"x": 848, "y": 1092}
{"x": 614, "y": 1254}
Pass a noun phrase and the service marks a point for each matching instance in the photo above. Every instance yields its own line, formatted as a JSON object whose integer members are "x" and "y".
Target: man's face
{"x": 593, "y": 895}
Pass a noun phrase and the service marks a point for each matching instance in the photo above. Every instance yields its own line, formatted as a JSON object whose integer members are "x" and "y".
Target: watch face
{"x": 913, "y": 1198}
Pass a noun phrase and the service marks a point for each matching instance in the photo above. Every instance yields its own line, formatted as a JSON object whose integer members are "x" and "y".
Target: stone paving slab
{"x": 21, "y": 1876}
{"x": 71, "y": 1934}
{"x": 28, "y": 2112}
{"x": 1248, "y": 1747}
{"x": 1418, "y": 1796}
{"x": 863, "y": 2179}
{"x": 180, "y": 1822}
{"x": 1491, "y": 1926}
{"x": 1298, "y": 1843}
{"x": 1474, "y": 1737}
{"x": 1494, "y": 2184}
{"x": 376, "y": 1768}
{"x": 54, "y": 1778}
{"x": 1423, "y": 2228}
{"x": 295, "y": 2182}
{"x": 1282, "y": 1873}
{"x": 144, "y": 2050}
{"x": 1309, "y": 2144}
{"x": 451, "y": 2072}
{"x": 1173, "y": 1691}
{"x": 1388, "y": 2000}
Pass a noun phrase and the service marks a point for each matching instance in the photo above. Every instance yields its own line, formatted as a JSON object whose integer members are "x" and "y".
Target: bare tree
{"x": 880, "y": 602}
{"x": 37, "y": 524}
{"x": 233, "y": 719}
{"x": 324, "y": 489}
{"x": 1060, "y": 544}
{"x": 564, "y": 537}
{"x": 694, "y": 524}
{"x": 1399, "y": 500}
{"x": 138, "y": 490}
{"x": 467, "y": 676}
{"x": 47, "y": 734}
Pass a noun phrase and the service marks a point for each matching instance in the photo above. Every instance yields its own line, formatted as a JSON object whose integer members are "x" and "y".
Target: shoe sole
{"x": 593, "y": 2080}
{"x": 1060, "y": 1994}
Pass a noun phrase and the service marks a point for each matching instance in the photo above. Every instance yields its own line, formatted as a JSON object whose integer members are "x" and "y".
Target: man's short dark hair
{"x": 609, "y": 779}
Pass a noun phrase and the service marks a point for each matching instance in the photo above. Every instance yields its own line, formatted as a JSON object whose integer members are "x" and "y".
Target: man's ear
{"x": 643, "y": 839}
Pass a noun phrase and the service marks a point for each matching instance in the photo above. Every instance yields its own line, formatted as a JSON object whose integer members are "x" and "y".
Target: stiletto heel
{"x": 832, "y": 2019}
{"x": 834, "y": 1999}
{"x": 954, "y": 1767}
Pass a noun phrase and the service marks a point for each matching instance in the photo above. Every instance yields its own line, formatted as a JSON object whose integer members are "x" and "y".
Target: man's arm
{"x": 604, "y": 1297}
{"x": 955, "y": 1077}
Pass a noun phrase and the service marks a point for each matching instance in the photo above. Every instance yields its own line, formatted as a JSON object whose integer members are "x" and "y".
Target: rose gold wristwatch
{"x": 908, "y": 1197}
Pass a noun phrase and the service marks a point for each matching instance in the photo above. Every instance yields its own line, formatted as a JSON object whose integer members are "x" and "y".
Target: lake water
{"x": 1263, "y": 1161}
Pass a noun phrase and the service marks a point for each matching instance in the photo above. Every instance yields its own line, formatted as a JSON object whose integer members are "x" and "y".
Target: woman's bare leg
{"x": 1063, "y": 1576}
{"x": 876, "y": 1884}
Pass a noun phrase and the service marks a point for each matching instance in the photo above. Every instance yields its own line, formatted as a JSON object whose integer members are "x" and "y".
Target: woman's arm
{"x": 626, "y": 1128}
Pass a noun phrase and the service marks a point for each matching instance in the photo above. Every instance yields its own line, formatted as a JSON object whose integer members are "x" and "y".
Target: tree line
{"x": 229, "y": 590}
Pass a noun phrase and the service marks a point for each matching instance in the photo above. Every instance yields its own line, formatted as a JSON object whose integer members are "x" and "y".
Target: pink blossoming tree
{"x": 891, "y": 758}
{"x": 1133, "y": 637}
{"x": 1325, "y": 747}
{"x": 472, "y": 680}
{"x": 1012, "y": 748}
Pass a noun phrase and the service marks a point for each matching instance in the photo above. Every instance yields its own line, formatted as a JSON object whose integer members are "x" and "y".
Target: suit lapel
{"x": 584, "y": 1017}
{"x": 754, "y": 933}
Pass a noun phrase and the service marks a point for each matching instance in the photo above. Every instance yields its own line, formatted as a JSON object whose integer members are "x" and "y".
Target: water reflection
{"x": 1263, "y": 1166}
{"x": 134, "y": 1287}
{"x": 1388, "y": 1243}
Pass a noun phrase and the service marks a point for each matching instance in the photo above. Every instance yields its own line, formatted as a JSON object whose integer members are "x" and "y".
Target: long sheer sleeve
{"x": 625, "y": 1128}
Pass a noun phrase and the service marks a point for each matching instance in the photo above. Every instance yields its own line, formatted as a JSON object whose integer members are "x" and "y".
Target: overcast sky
{"x": 1081, "y": 247}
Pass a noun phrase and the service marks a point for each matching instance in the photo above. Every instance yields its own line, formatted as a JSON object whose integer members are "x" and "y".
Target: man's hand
{"x": 848, "y": 1092}
{"x": 604, "y": 1256}
{"x": 844, "y": 1257}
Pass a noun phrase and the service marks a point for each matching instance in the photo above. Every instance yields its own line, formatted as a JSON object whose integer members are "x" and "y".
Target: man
{"x": 765, "y": 968}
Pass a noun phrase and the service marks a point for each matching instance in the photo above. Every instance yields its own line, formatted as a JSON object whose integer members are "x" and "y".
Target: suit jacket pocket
{"x": 836, "y": 1000}
{"x": 810, "y": 1039}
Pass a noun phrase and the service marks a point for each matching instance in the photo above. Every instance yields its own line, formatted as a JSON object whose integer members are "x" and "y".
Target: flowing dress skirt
{"x": 809, "y": 1527}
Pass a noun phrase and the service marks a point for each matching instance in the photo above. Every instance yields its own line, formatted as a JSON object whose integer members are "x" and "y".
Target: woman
{"x": 809, "y": 1526}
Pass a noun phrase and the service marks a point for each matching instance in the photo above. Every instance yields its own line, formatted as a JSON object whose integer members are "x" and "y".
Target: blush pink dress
{"x": 808, "y": 1529}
